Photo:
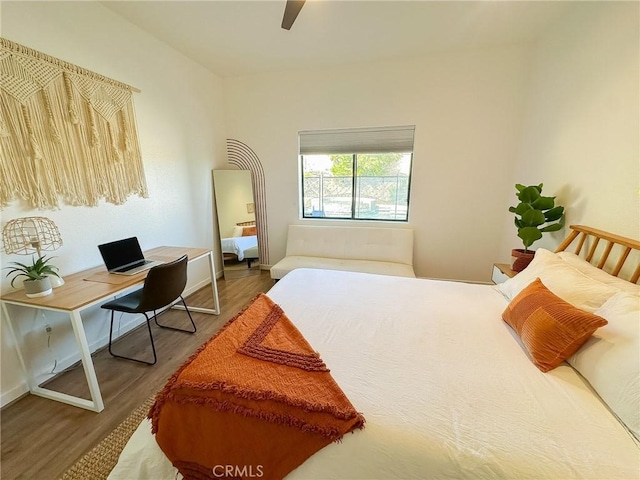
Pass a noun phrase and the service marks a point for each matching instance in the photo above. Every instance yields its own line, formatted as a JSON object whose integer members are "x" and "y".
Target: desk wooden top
{"x": 91, "y": 285}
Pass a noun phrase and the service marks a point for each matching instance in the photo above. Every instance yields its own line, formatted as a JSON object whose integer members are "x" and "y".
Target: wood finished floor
{"x": 40, "y": 438}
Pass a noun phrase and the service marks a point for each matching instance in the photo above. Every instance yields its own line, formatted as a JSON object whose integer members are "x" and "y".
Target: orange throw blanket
{"x": 255, "y": 401}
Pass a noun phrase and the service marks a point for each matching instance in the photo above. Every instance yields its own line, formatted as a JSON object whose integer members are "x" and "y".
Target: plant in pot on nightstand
{"x": 535, "y": 215}
{"x": 37, "y": 283}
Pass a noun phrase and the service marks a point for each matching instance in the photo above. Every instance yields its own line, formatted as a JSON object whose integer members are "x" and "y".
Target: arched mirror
{"x": 235, "y": 207}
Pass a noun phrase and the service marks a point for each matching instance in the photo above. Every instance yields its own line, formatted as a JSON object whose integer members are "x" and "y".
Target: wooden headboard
{"x": 246, "y": 224}
{"x": 590, "y": 238}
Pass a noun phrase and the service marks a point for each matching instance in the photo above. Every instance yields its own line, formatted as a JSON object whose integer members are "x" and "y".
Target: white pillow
{"x": 610, "y": 359}
{"x": 563, "y": 280}
{"x": 237, "y": 231}
{"x": 597, "y": 274}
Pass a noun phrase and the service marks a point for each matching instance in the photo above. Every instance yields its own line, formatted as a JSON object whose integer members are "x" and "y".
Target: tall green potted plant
{"x": 37, "y": 282}
{"x": 534, "y": 215}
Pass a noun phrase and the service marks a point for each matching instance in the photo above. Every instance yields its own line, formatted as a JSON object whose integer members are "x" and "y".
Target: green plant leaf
{"x": 35, "y": 275}
{"x": 533, "y": 218}
{"x": 13, "y": 270}
{"x": 521, "y": 208}
{"x": 554, "y": 214}
{"x": 529, "y": 235}
{"x": 529, "y": 194}
{"x": 21, "y": 265}
{"x": 554, "y": 227}
{"x": 16, "y": 277}
{"x": 543, "y": 203}
{"x": 49, "y": 270}
{"x": 37, "y": 270}
{"x": 536, "y": 214}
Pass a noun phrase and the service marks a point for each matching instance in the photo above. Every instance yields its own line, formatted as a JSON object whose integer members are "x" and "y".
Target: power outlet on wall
{"x": 48, "y": 329}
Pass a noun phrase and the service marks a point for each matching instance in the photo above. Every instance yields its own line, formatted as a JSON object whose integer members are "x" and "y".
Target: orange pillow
{"x": 248, "y": 231}
{"x": 550, "y": 328}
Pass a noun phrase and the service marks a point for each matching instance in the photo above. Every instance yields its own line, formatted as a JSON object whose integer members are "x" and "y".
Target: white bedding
{"x": 238, "y": 245}
{"x": 446, "y": 389}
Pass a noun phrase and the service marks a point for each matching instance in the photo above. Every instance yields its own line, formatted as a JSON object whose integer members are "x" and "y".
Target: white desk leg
{"x": 87, "y": 362}
{"x": 95, "y": 404}
{"x": 214, "y": 284}
{"x": 214, "y": 287}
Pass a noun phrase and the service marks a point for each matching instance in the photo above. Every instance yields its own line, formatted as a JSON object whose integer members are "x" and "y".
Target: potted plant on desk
{"x": 535, "y": 215}
{"x": 37, "y": 283}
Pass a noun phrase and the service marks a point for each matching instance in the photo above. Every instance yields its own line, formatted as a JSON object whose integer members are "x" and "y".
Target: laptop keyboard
{"x": 131, "y": 267}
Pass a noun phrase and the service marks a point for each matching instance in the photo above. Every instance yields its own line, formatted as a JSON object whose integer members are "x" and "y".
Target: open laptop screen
{"x": 121, "y": 252}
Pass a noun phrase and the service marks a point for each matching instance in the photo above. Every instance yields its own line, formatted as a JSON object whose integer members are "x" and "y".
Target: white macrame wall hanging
{"x": 66, "y": 133}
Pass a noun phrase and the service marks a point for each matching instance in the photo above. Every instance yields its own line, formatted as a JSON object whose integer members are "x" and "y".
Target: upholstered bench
{"x": 384, "y": 251}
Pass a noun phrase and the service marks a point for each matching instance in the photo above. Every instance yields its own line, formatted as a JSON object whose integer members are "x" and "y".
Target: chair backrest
{"x": 164, "y": 284}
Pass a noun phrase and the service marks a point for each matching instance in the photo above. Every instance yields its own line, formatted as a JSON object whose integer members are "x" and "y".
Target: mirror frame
{"x": 235, "y": 212}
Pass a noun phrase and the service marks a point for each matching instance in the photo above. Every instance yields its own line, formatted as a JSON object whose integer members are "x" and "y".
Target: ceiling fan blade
{"x": 291, "y": 11}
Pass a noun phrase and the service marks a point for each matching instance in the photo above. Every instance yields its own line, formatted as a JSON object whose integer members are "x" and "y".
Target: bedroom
{"x": 560, "y": 107}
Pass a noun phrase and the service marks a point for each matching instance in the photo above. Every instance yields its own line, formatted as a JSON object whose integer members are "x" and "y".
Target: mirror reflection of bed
{"x": 236, "y": 216}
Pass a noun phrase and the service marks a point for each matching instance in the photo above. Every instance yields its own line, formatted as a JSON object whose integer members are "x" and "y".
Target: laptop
{"x": 125, "y": 257}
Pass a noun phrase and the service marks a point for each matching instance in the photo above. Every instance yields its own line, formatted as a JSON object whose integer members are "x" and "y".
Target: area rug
{"x": 100, "y": 460}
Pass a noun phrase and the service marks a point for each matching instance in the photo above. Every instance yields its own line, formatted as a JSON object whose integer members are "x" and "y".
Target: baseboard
{"x": 14, "y": 394}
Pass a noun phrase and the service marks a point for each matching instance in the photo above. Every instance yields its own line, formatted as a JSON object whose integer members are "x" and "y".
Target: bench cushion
{"x": 352, "y": 243}
{"x": 384, "y": 251}
{"x": 289, "y": 263}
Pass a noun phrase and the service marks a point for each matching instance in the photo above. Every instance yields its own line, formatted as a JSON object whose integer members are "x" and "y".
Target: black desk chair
{"x": 163, "y": 286}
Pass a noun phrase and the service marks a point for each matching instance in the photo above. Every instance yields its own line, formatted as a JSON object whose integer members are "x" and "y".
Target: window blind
{"x": 357, "y": 140}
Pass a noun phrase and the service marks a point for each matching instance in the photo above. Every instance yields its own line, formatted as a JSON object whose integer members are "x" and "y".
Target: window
{"x": 356, "y": 174}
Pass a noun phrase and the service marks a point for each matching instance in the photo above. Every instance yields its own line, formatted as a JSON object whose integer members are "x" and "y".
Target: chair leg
{"x": 155, "y": 317}
{"x": 153, "y": 347}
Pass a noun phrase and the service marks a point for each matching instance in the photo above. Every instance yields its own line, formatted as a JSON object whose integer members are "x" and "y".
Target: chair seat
{"x": 162, "y": 287}
{"x": 128, "y": 303}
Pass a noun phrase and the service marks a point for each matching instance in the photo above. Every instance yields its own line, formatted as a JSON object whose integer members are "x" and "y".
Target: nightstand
{"x": 502, "y": 272}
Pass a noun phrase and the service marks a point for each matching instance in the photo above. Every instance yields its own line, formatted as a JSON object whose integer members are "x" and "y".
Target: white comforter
{"x": 238, "y": 245}
{"x": 446, "y": 389}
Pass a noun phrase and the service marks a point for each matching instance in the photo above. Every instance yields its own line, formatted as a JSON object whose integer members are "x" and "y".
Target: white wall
{"x": 467, "y": 108}
{"x": 582, "y": 124}
{"x": 563, "y": 111}
{"x": 181, "y": 130}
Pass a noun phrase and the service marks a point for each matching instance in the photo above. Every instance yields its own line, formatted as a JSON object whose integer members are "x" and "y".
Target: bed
{"x": 243, "y": 243}
{"x": 449, "y": 390}
{"x": 241, "y": 247}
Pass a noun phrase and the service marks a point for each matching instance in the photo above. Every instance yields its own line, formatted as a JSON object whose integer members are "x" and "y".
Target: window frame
{"x": 354, "y": 190}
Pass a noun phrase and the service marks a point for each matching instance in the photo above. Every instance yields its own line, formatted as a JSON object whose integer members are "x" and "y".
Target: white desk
{"x": 85, "y": 289}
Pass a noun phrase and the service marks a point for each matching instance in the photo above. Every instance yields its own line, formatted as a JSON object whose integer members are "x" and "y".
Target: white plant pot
{"x": 37, "y": 288}
{"x": 56, "y": 281}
